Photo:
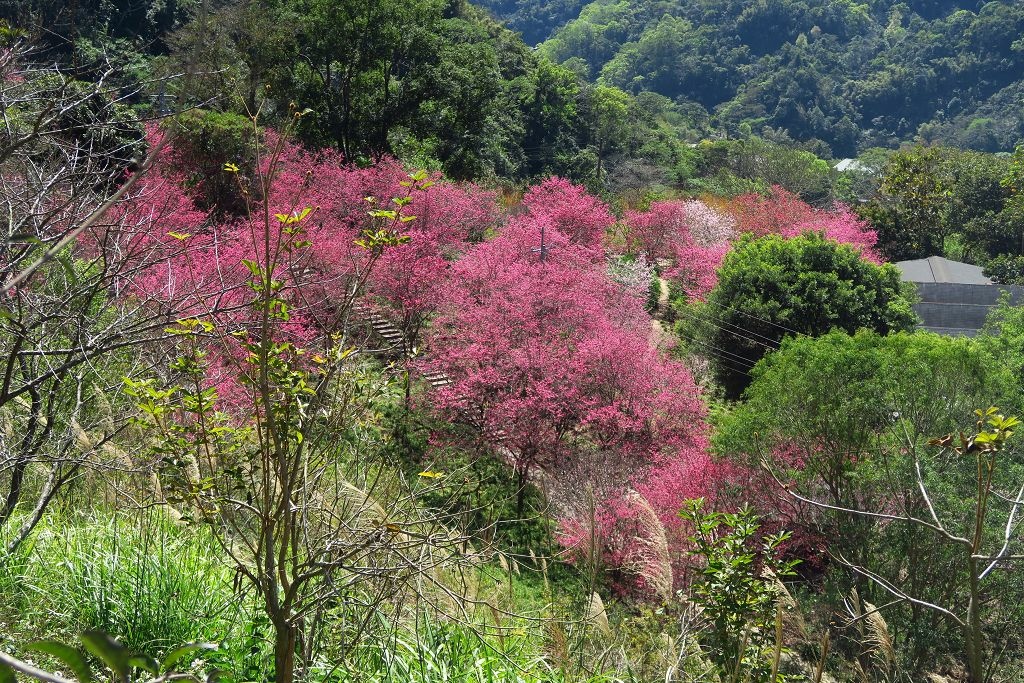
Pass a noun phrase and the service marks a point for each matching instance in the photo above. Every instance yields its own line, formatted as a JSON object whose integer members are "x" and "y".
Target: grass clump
{"x": 149, "y": 582}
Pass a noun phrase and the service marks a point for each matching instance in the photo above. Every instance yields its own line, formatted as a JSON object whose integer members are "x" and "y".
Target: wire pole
{"x": 543, "y": 250}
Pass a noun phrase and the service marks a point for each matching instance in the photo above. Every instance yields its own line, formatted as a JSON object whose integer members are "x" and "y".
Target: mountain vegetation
{"x": 358, "y": 341}
{"x": 839, "y": 76}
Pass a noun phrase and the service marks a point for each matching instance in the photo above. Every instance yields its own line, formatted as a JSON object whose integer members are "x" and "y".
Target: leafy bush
{"x": 206, "y": 140}
{"x": 738, "y": 591}
{"x": 1006, "y": 269}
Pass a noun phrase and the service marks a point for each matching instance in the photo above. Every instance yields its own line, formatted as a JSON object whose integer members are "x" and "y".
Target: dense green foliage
{"x": 945, "y": 201}
{"x": 846, "y": 419}
{"x": 772, "y": 287}
{"x": 851, "y": 75}
{"x": 437, "y": 83}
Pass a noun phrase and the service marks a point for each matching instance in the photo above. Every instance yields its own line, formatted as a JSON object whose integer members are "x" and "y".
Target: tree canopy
{"x": 772, "y": 287}
{"x": 851, "y": 75}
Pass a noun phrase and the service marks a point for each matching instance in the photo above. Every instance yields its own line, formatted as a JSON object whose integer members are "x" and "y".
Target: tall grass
{"x": 155, "y": 584}
{"x": 13, "y": 569}
{"x": 437, "y": 653}
{"x": 143, "y": 579}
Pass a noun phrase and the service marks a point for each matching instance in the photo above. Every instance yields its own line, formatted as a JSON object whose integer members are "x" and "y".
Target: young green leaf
{"x": 176, "y": 655}
{"x": 109, "y": 651}
{"x": 72, "y": 657}
{"x": 146, "y": 663}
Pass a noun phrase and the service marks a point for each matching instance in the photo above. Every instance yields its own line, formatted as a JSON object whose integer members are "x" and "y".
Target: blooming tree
{"x": 692, "y": 237}
{"x": 784, "y": 213}
{"x": 706, "y": 226}
{"x": 654, "y": 233}
{"x": 408, "y": 282}
{"x": 551, "y": 358}
{"x": 570, "y": 209}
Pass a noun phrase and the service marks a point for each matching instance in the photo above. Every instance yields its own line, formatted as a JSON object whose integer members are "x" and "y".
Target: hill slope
{"x": 852, "y": 75}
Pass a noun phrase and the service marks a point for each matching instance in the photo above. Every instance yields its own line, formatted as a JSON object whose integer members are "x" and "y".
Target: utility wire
{"x": 773, "y": 343}
{"x": 736, "y": 332}
{"x": 723, "y": 354}
{"x": 754, "y": 317}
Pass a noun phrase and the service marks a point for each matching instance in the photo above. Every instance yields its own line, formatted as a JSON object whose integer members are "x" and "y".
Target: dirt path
{"x": 658, "y": 332}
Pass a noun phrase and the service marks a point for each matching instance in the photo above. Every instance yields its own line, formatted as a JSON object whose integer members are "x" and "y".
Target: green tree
{"x": 1011, "y": 214}
{"x": 917, "y": 193}
{"x": 609, "y": 109}
{"x": 549, "y": 98}
{"x": 845, "y": 421}
{"x": 772, "y": 287}
{"x": 945, "y": 201}
{"x": 798, "y": 171}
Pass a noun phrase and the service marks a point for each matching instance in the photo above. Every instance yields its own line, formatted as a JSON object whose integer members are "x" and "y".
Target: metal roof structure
{"x": 939, "y": 269}
{"x": 956, "y": 298}
{"x": 844, "y": 165}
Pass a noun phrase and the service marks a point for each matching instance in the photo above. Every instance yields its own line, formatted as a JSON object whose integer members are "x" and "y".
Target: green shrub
{"x": 204, "y": 142}
{"x": 738, "y": 591}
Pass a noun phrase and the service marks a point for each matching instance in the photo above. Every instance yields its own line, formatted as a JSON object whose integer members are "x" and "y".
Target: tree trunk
{"x": 53, "y": 482}
{"x": 520, "y": 493}
{"x": 972, "y": 629}
{"x": 14, "y": 493}
{"x": 285, "y": 641}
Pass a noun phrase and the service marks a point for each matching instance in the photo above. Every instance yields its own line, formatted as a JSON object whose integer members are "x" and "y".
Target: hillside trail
{"x": 659, "y": 335}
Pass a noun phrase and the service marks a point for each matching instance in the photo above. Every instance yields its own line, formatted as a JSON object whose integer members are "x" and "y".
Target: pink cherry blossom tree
{"x": 689, "y": 236}
{"x": 551, "y": 359}
{"x": 578, "y": 215}
{"x": 784, "y": 213}
{"x": 655, "y": 232}
{"x": 409, "y": 280}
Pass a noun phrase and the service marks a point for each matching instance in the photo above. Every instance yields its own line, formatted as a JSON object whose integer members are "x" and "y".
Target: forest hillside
{"x": 348, "y": 341}
{"x": 846, "y": 74}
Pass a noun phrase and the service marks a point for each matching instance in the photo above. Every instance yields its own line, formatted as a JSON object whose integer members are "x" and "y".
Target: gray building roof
{"x": 938, "y": 269}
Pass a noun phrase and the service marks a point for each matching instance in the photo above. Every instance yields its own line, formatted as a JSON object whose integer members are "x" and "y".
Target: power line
{"x": 724, "y": 355}
{"x": 735, "y": 367}
{"x": 736, "y": 332}
{"x": 754, "y": 317}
